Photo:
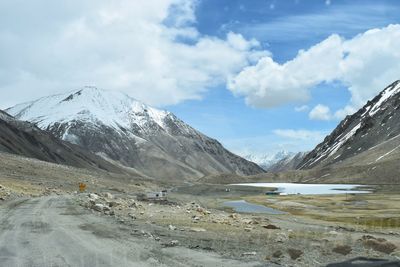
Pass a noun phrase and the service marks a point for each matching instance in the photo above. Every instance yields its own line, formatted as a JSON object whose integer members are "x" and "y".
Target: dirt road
{"x": 54, "y": 231}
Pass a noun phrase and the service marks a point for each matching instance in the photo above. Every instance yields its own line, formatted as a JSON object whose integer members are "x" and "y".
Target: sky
{"x": 260, "y": 76}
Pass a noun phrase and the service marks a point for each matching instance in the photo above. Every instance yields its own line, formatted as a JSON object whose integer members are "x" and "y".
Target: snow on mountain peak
{"x": 89, "y": 104}
{"x": 390, "y": 91}
{"x": 268, "y": 158}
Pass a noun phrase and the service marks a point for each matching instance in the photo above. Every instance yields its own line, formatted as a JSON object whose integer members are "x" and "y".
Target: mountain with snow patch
{"x": 369, "y": 136}
{"x": 25, "y": 139}
{"x": 121, "y": 129}
{"x": 277, "y": 162}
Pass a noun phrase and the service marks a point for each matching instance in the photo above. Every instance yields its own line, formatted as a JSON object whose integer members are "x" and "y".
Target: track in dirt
{"x": 55, "y": 231}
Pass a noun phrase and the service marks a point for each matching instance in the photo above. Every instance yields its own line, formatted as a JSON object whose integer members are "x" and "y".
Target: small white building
{"x": 157, "y": 195}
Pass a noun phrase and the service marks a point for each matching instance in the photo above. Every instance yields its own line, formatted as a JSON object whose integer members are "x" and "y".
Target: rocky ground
{"x": 193, "y": 220}
{"x": 281, "y": 240}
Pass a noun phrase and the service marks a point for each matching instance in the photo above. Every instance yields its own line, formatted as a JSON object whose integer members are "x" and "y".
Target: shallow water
{"x": 246, "y": 207}
{"x": 311, "y": 189}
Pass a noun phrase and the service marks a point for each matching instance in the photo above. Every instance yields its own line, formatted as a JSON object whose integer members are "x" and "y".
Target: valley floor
{"x": 44, "y": 222}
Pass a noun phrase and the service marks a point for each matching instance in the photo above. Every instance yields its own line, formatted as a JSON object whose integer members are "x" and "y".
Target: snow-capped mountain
{"x": 288, "y": 163}
{"x": 25, "y": 139}
{"x": 268, "y": 159}
{"x": 122, "y": 129}
{"x": 375, "y": 124}
{"x": 276, "y": 162}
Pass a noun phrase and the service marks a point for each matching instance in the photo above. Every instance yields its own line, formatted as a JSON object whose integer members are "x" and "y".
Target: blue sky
{"x": 258, "y": 75}
{"x": 282, "y": 27}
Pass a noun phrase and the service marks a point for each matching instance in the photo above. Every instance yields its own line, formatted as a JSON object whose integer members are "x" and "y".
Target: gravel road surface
{"x": 55, "y": 231}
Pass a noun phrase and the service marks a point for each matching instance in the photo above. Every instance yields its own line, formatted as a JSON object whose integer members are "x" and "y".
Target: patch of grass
{"x": 379, "y": 210}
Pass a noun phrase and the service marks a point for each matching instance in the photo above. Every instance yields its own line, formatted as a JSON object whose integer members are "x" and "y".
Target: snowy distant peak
{"x": 279, "y": 161}
{"x": 268, "y": 159}
{"x": 89, "y": 104}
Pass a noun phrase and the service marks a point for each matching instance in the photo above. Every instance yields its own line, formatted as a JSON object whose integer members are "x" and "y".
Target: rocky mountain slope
{"x": 371, "y": 134}
{"x": 288, "y": 163}
{"x": 123, "y": 130}
{"x": 25, "y": 139}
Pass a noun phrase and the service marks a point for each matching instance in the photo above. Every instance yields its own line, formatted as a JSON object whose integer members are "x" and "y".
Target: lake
{"x": 246, "y": 207}
{"x": 311, "y": 189}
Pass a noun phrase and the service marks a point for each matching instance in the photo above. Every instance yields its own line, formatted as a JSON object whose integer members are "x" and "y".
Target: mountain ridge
{"x": 376, "y": 122}
{"x": 26, "y": 139}
{"x": 115, "y": 125}
{"x": 275, "y": 162}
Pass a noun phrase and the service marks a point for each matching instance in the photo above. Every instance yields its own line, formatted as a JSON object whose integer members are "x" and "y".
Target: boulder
{"x": 253, "y": 253}
{"x": 106, "y": 208}
{"x": 294, "y": 253}
{"x": 277, "y": 254}
{"x": 342, "y": 249}
{"x": 271, "y": 226}
{"x": 234, "y": 216}
{"x": 247, "y": 221}
{"x": 378, "y": 244}
{"x": 196, "y": 229}
{"x": 172, "y": 243}
{"x": 93, "y": 196}
{"x": 98, "y": 207}
{"x": 281, "y": 237}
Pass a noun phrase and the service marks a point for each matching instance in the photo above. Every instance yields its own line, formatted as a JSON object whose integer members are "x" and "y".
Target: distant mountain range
{"x": 123, "y": 130}
{"x": 363, "y": 149}
{"x": 276, "y": 162}
{"x": 110, "y": 131}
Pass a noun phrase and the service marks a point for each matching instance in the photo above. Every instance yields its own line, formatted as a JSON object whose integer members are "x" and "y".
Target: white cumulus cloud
{"x": 320, "y": 112}
{"x": 302, "y": 108}
{"x": 301, "y": 134}
{"x": 366, "y": 64}
{"x": 149, "y": 49}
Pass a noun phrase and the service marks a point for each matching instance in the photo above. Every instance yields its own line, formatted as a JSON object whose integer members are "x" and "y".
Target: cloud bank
{"x": 365, "y": 64}
{"x": 149, "y": 49}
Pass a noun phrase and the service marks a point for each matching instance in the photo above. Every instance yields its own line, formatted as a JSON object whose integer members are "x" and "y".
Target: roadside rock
{"x": 281, "y": 237}
{"x": 172, "y": 243}
{"x": 342, "y": 249}
{"x": 271, "y": 226}
{"x": 113, "y": 203}
{"x": 378, "y": 244}
{"x": 108, "y": 195}
{"x": 294, "y": 253}
{"x": 253, "y": 253}
{"x": 277, "y": 254}
{"x": 93, "y": 196}
{"x": 248, "y": 221}
{"x": 234, "y": 216}
{"x": 195, "y": 229}
{"x": 98, "y": 207}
